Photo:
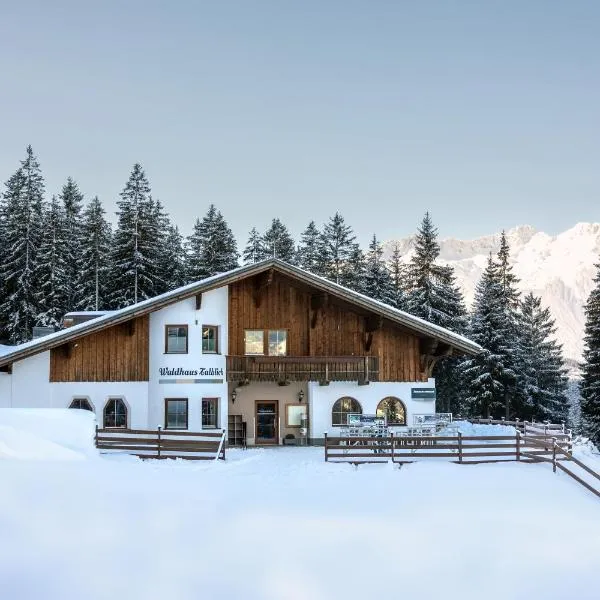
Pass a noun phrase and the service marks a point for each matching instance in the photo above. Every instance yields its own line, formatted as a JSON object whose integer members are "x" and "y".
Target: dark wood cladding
{"x": 320, "y": 325}
{"x": 119, "y": 353}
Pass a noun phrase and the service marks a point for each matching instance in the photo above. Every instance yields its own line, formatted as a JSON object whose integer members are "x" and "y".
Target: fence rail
{"x": 531, "y": 447}
{"x": 161, "y": 443}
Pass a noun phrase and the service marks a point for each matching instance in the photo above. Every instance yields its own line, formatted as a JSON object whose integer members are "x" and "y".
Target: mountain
{"x": 558, "y": 268}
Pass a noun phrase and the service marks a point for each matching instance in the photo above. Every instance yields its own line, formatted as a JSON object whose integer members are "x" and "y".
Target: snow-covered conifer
{"x": 590, "y": 381}
{"x": 377, "y": 282}
{"x": 278, "y": 243}
{"x": 72, "y": 244}
{"x": 338, "y": 245}
{"x": 255, "y": 249}
{"x": 211, "y": 249}
{"x": 95, "y": 258}
{"x": 22, "y": 235}
{"x": 308, "y": 255}
{"x": 135, "y": 268}
{"x": 54, "y": 285}
{"x": 543, "y": 382}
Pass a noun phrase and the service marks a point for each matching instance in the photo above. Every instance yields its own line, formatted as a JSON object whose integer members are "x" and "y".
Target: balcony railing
{"x": 283, "y": 369}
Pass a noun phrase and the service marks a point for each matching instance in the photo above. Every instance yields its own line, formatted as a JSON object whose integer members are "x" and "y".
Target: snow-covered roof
{"x": 115, "y": 317}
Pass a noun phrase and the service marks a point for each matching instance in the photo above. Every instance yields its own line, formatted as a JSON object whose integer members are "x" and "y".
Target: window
{"x": 254, "y": 341}
{"x": 176, "y": 339}
{"x": 342, "y": 408}
{"x": 176, "y": 413}
{"x": 277, "y": 342}
{"x": 393, "y": 410}
{"x": 210, "y": 339}
{"x": 82, "y": 403}
{"x": 210, "y": 412}
{"x": 115, "y": 413}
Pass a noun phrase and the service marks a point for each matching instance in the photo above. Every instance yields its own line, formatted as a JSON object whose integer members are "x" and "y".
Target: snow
{"x": 47, "y": 433}
{"x": 283, "y": 524}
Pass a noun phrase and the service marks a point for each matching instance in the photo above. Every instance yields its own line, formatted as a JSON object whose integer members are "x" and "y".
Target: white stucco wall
{"x": 213, "y": 311}
{"x": 322, "y": 399}
{"x": 135, "y": 395}
{"x": 30, "y": 382}
{"x": 5, "y": 390}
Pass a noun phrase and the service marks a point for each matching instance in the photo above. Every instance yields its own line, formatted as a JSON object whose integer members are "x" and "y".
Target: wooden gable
{"x": 117, "y": 353}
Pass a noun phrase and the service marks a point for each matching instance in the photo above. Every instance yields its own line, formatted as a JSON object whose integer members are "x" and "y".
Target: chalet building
{"x": 267, "y": 351}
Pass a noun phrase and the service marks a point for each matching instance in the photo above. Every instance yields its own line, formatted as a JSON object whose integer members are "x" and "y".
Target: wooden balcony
{"x": 284, "y": 369}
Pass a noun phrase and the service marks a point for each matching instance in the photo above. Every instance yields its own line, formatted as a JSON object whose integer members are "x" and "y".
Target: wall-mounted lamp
{"x": 300, "y": 395}
{"x": 233, "y": 396}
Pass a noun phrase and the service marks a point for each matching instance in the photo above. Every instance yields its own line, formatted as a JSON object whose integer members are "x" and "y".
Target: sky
{"x": 487, "y": 114}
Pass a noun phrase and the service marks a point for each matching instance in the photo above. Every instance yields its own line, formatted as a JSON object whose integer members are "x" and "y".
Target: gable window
{"x": 176, "y": 339}
{"x": 277, "y": 342}
{"x": 342, "y": 408}
{"x": 81, "y": 403}
{"x": 254, "y": 341}
{"x": 393, "y": 410}
{"x": 210, "y": 339}
{"x": 115, "y": 414}
{"x": 176, "y": 413}
{"x": 260, "y": 342}
{"x": 210, "y": 412}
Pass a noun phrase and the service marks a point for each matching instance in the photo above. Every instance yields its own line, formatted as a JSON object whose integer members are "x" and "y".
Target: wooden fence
{"x": 462, "y": 449}
{"x": 459, "y": 448}
{"x": 161, "y": 443}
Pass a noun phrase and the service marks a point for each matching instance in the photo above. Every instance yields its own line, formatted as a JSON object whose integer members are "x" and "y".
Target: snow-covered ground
{"x": 283, "y": 524}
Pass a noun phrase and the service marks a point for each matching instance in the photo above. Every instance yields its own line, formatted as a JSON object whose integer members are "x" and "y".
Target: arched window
{"x": 342, "y": 408}
{"x": 115, "y": 413}
{"x": 393, "y": 410}
{"x": 82, "y": 403}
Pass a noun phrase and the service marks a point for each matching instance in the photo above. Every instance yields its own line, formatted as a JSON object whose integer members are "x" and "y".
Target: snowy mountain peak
{"x": 558, "y": 268}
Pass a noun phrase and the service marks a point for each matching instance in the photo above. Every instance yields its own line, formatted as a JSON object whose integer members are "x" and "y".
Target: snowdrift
{"x": 47, "y": 434}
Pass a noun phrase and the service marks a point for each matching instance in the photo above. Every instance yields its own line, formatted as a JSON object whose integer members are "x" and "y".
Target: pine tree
{"x": 212, "y": 248}
{"x": 254, "y": 250}
{"x": 278, "y": 243}
{"x": 433, "y": 295}
{"x": 157, "y": 250}
{"x": 173, "y": 270}
{"x": 338, "y": 245}
{"x": 484, "y": 374}
{"x": 72, "y": 245}
{"x": 95, "y": 258}
{"x": 22, "y": 234}
{"x": 544, "y": 381}
{"x": 399, "y": 274}
{"x": 354, "y": 270}
{"x": 136, "y": 274}
{"x": 53, "y": 274}
{"x": 308, "y": 256}
{"x": 510, "y": 299}
{"x": 590, "y": 380}
{"x": 377, "y": 282}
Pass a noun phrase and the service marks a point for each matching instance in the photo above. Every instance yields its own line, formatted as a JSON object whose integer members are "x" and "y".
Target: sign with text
{"x": 356, "y": 420}
{"x": 200, "y": 372}
{"x": 422, "y": 393}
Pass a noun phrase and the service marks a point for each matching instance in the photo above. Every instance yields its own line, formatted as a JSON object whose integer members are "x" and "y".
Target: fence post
{"x": 325, "y": 446}
{"x": 460, "y": 448}
{"x": 224, "y": 444}
{"x": 518, "y": 451}
{"x": 517, "y": 423}
{"x": 96, "y": 437}
{"x": 158, "y": 441}
{"x": 392, "y": 444}
{"x": 554, "y": 454}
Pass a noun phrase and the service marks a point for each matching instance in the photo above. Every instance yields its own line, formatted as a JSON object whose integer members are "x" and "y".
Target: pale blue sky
{"x": 487, "y": 113}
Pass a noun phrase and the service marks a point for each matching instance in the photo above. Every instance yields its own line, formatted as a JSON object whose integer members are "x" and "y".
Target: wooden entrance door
{"x": 267, "y": 422}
